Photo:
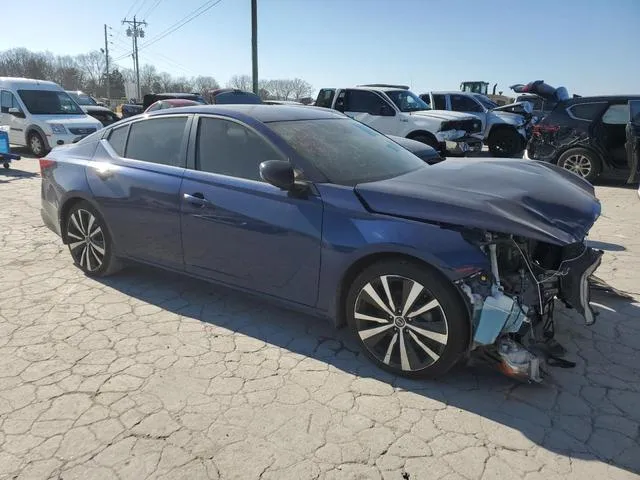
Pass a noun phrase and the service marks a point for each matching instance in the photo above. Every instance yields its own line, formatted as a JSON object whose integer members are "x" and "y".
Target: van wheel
{"x": 36, "y": 145}
{"x": 505, "y": 142}
{"x": 407, "y": 320}
{"x": 582, "y": 162}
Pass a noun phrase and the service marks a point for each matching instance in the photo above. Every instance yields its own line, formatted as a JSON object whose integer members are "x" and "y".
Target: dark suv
{"x": 585, "y": 135}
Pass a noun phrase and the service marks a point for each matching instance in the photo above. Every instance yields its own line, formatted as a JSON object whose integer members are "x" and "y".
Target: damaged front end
{"x": 513, "y": 304}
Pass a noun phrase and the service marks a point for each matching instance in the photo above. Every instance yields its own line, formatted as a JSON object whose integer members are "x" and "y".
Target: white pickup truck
{"x": 395, "y": 110}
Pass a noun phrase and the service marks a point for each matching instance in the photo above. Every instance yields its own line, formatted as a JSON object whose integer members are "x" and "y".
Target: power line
{"x": 181, "y": 23}
{"x": 131, "y": 8}
{"x": 151, "y": 9}
{"x": 140, "y": 8}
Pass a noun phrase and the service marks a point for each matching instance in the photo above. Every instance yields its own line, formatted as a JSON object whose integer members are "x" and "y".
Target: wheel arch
{"x": 370, "y": 259}
{"x": 417, "y": 133}
{"x": 34, "y": 128}
{"x": 588, "y": 147}
{"x": 67, "y": 204}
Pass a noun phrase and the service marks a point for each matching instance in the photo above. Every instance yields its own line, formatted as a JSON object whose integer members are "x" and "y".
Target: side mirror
{"x": 16, "y": 112}
{"x": 278, "y": 173}
{"x": 387, "y": 111}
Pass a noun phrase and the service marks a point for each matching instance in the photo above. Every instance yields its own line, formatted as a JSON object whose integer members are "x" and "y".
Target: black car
{"x": 94, "y": 108}
{"x": 421, "y": 150}
{"x": 585, "y": 135}
{"x": 232, "y": 96}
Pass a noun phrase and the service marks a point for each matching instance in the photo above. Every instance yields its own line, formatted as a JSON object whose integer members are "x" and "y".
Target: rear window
{"x": 586, "y": 111}
{"x": 117, "y": 139}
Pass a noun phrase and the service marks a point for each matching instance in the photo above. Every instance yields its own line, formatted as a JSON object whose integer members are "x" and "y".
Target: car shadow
{"x": 561, "y": 414}
{"x": 10, "y": 174}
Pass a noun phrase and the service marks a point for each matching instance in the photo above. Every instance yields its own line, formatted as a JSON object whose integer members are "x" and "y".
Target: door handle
{"x": 197, "y": 199}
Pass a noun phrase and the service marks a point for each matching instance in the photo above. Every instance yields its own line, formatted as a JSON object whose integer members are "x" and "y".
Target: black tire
{"x": 505, "y": 142}
{"x": 89, "y": 241}
{"x": 445, "y": 322}
{"x": 582, "y": 162}
{"x": 37, "y": 145}
{"x": 6, "y": 165}
{"x": 427, "y": 140}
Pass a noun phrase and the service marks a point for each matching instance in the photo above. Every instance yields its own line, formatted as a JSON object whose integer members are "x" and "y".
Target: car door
{"x": 371, "y": 109}
{"x": 467, "y": 104}
{"x": 135, "y": 179}
{"x": 241, "y": 230}
{"x": 16, "y": 122}
{"x": 611, "y": 133}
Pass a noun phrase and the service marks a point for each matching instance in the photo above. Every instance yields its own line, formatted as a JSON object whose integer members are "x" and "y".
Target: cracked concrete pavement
{"x": 152, "y": 375}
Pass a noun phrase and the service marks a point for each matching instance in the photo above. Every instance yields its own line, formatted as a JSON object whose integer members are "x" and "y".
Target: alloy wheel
{"x": 401, "y": 323}
{"x": 37, "y": 148}
{"x": 86, "y": 240}
{"x": 578, "y": 164}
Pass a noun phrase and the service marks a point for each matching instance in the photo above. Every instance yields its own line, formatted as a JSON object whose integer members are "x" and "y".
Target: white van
{"x": 41, "y": 115}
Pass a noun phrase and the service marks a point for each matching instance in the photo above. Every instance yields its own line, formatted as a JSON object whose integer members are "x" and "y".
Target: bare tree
{"x": 149, "y": 79}
{"x": 203, "y": 83}
{"x": 300, "y": 88}
{"x": 67, "y": 74}
{"x": 92, "y": 65}
{"x": 166, "y": 81}
{"x": 182, "y": 84}
{"x": 241, "y": 82}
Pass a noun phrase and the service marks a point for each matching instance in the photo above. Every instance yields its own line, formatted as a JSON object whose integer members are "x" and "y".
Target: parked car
{"x": 171, "y": 103}
{"x": 89, "y": 104}
{"x": 41, "y": 115}
{"x": 151, "y": 98}
{"x": 585, "y": 135}
{"x": 396, "y": 110}
{"x": 309, "y": 208}
{"x": 232, "y": 96}
{"x": 540, "y": 107}
{"x": 423, "y": 151}
{"x": 281, "y": 102}
{"x": 503, "y": 130}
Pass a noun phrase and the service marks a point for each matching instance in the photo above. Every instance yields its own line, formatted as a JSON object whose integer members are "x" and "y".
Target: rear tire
{"x": 89, "y": 242}
{"x": 505, "y": 142}
{"x": 37, "y": 145}
{"x": 582, "y": 162}
{"x": 408, "y": 319}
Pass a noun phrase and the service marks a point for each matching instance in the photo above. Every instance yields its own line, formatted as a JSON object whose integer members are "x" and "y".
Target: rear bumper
{"x": 51, "y": 224}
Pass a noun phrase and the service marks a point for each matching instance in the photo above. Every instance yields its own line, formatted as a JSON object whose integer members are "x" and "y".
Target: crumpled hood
{"x": 514, "y": 119}
{"x": 520, "y": 197}
{"x": 444, "y": 115}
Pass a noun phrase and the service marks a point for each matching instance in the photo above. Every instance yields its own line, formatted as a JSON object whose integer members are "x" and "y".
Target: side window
{"x": 585, "y": 111}
{"x": 157, "y": 140}
{"x": 228, "y": 148}
{"x": 118, "y": 139}
{"x": 7, "y": 101}
{"x": 616, "y": 115}
{"x": 462, "y": 103}
{"x": 325, "y": 97}
{"x": 439, "y": 102}
{"x": 361, "y": 101}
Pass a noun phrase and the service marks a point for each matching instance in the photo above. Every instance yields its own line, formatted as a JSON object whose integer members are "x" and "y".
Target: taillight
{"x": 45, "y": 163}
{"x": 541, "y": 129}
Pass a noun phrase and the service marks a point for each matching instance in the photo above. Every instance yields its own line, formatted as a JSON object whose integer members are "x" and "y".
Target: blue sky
{"x": 589, "y": 46}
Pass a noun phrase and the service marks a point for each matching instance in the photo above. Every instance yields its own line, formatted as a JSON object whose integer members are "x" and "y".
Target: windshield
{"x": 407, "y": 101}
{"x": 486, "y": 102}
{"x": 82, "y": 98}
{"x": 347, "y": 152}
{"x": 49, "y": 102}
{"x": 237, "y": 98}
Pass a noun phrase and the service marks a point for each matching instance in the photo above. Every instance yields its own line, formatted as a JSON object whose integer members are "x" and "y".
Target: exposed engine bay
{"x": 513, "y": 304}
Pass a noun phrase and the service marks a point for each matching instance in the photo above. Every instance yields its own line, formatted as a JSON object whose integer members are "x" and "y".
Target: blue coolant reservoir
{"x": 500, "y": 313}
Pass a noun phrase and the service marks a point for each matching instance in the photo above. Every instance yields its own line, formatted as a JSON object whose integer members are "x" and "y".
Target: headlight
{"x": 58, "y": 128}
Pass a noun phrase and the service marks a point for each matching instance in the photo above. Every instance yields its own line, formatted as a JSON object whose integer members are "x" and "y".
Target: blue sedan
{"x": 312, "y": 209}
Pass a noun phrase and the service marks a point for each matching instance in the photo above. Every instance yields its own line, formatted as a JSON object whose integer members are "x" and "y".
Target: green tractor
{"x": 482, "y": 88}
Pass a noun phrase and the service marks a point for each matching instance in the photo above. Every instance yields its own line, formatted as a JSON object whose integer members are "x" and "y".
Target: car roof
{"x": 261, "y": 112}
{"x": 29, "y": 83}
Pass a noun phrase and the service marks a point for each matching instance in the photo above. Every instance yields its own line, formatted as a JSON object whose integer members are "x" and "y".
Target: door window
{"x": 462, "y": 103}
{"x": 585, "y": 111}
{"x": 616, "y": 115}
{"x": 7, "y": 101}
{"x": 439, "y": 102}
{"x": 157, "y": 140}
{"x": 229, "y": 148}
{"x": 361, "y": 101}
{"x": 118, "y": 139}
{"x": 325, "y": 97}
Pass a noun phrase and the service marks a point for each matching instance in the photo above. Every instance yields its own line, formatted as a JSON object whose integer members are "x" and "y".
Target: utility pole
{"x": 254, "y": 44}
{"x": 135, "y": 32}
{"x": 106, "y": 54}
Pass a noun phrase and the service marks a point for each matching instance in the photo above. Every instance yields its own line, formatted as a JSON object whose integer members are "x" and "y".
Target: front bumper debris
{"x": 574, "y": 286}
{"x": 463, "y": 146}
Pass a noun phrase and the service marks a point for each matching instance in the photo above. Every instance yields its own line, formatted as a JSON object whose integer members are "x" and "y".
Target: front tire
{"x": 582, "y": 162}
{"x": 505, "y": 142}
{"x": 37, "y": 145}
{"x": 89, "y": 241}
{"x": 408, "y": 319}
